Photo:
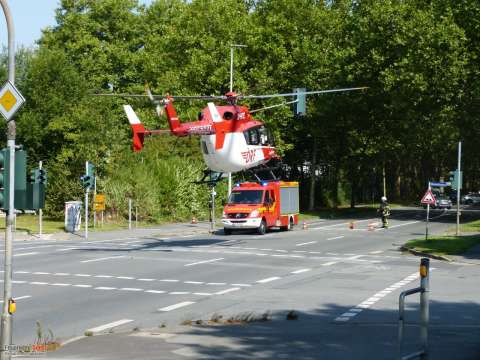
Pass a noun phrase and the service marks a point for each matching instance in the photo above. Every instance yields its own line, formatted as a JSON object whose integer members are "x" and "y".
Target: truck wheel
{"x": 262, "y": 229}
{"x": 227, "y": 231}
{"x": 289, "y": 226}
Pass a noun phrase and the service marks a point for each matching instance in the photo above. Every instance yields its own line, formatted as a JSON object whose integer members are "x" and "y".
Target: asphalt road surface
{"x": 343, "y": 282}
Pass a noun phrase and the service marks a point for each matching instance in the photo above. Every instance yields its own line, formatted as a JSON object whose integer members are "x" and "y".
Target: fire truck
{"x": 261, "y": 206}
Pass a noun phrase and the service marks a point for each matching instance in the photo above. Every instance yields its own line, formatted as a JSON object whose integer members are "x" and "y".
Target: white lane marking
{"x": 202, "y": 294}
{"x": 21, "y": 272}
{"x": 169, "y": 280}
{"x": 306, "y": 243}
{"x": 283, "y": 251}
{"x": 109, "y": 325}
{"x": 82, "y": 275}
{"x": 103, "y": 276}
{"x": 376, "y": 297}
{"x": 395, "y": 226}
{"x": 17, "y": 282}
{"x": 176, "y": 306}
{"x": 376, "y": 252}
{"x": 131, "y": 289}
{"x": 216, "y": 284}
{"x": 335, "y": 225}
{"x": 227, "y": 291}
{"x": 300, "y": 271}
{"x": 38, "y": 283}
{"x": 62, "y": 274}
{"x": 83, "y": 286}
{"x": 105, "y": 258}
{"x": 335, "y": 238}
{"x": 40, "y": 273}
{"x": 194, "y": 282}
{"x": 204, "y": 262}
{"x": 242, "y": 285}
{"x": 146, "y": 279}
{"x": 105, "y": 288}
{"x": 25, "y": 254}
{"x": 125, "y": 277}
{"x": 267, "y": 280}
{"x": 329, "y": 263}
{"x": 155, "y": 291}
{"x": 61, "y": 284}
{"x": 18, "y": 298}
{"x": 178, "y": 293}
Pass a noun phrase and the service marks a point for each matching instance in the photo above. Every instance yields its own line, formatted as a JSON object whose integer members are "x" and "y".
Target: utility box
{"x": 73, "y": 216}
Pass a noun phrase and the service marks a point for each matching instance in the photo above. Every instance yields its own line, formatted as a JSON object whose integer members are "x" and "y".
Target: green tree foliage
{"x": 419, "y": 60}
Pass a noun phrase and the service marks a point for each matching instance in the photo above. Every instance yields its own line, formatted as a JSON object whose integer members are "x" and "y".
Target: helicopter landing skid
{"x": 211, "y": 178}
{"x": 260, "y": 170}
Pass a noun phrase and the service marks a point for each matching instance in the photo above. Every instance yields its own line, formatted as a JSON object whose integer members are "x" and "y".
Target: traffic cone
{"x": 304, "y": 226}
{"x": 351, "y": 226}
{"x": 371, "y": 226}
{"x": 194, "y": 220}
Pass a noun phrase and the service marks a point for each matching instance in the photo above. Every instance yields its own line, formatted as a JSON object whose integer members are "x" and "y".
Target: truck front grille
{"x": 237, "y": 215}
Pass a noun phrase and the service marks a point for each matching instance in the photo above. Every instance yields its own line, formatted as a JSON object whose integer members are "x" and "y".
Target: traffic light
{"x": 456, "y": 179}
{"x": 4, "y": 178}
{"x": 38, "y": 176}
{"x": 87, "y": 181}
{"x": 300, "y": 107}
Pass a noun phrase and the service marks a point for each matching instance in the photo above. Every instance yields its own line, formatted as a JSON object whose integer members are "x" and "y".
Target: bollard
{"x": 304, "y": 225}
{"x": 351, "y": 226}
{"x": 194, "y": 220}
{"x": 424, "y": 291}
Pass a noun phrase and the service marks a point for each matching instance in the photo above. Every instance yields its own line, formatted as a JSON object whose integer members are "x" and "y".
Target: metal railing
{"x": 424, "y": 290}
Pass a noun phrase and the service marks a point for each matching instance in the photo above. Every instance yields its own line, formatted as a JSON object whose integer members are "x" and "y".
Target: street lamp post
{"x": 6, "y": 319}
{"x": 232, "y": 47}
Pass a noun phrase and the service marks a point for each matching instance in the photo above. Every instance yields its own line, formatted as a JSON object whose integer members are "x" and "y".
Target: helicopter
{"x": 231, "y": 140}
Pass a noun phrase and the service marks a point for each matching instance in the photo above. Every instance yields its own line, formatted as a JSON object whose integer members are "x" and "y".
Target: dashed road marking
{"x": 227, "y": 291}
{"x": 131, "y": 289}
{"x": 335, "y": 238}
{"x": 267, "y": 280}
{"x": 306, "y": 243}
{"x": 376, "y": 252}
{"x": 155, "y": 291}
{"x": 330, "y": 263}
{"x": 204, "y": 262}
{"x": 105, "y": 288}
{"x": 109, "y": 326}
{"x": 177, "y": 306}
{"x": 26, "y": 254}
{"x": 300, "y": 271}
{"x": 105, "y": 258}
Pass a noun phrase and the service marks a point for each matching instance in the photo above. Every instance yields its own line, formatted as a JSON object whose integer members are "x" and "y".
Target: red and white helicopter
{"x": 231, "y": 139}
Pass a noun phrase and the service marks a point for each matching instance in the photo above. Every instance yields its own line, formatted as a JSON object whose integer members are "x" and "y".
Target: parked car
{"x": 471, "y": 198}
{"x": 442, "y": 202}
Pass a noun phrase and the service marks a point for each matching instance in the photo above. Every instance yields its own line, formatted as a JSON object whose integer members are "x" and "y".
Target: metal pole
{"x": 212, "y": 214}
{"x": 102, "y": 218}
{"x": 136, "y": 216}
{"x": 86, "y": 204}
{"x": 457, "y": 231}
{"x": 231, "y": 68}
{"x": 40, "y": 211}
{"x": 129, "y": 214}
{"x": 94, "y": 198}
{"x": 428, "y": 215}
{"x": 6, "y": 326}
{"x": 424, "y": 305}
{"x": 384, "y": 181}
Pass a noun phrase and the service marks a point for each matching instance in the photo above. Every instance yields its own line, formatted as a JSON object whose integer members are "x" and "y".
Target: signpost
{"x": 428, "y": 199}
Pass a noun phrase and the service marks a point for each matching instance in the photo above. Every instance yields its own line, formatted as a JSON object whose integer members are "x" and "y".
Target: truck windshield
{"x": 246, "y": 197}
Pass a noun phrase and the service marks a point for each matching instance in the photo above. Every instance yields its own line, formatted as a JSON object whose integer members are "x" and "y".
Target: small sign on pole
{"x": 428, "y": 198}
{"x": 10, "y": 100}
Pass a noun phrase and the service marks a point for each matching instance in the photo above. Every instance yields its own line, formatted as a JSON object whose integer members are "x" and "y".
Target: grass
{"x": 450, "y": 244}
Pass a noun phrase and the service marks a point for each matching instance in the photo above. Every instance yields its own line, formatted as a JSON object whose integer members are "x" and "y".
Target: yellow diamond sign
{"x": 10, "y": 100}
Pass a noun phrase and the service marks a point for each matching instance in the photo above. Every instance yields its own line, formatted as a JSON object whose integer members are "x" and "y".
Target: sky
{"x": 29, "y": 18}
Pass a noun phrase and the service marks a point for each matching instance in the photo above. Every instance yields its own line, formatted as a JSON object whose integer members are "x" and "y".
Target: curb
{"x": 420, "y": 253}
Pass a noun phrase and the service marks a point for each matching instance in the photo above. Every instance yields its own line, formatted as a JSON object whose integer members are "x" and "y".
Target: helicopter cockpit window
{"x": 259, "y": 136}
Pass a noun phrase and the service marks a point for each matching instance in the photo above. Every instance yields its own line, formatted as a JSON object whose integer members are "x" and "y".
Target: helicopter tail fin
{"x": 137, "y": 128}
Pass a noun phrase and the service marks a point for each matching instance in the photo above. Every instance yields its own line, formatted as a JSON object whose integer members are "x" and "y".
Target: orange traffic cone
{"x": 351, "y": 226}
{"x": 304, "y": 226}
{"x": 194, "y": 220}
{"x": 371, "y": 226}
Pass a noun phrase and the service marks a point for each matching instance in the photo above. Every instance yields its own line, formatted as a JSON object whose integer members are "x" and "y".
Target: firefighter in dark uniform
{"x": 384, "y": 211}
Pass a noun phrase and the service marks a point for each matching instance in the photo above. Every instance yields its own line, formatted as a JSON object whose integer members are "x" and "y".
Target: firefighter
{"x": 384, "y": 211}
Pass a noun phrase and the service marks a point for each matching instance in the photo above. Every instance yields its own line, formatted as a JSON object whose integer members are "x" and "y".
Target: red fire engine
{"x": 261, "y": 206}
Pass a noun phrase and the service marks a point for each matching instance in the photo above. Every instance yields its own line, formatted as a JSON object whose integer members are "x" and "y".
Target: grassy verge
{"x": 450, "y": 244}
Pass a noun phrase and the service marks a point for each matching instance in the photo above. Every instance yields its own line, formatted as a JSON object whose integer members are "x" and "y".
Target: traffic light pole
{"x": 86, "y": 205}
{"x": 6, "y": 322}
{"x": 457, "y": 231}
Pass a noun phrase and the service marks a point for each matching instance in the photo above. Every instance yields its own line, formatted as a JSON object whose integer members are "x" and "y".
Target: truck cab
{"x": 261, "y": 206}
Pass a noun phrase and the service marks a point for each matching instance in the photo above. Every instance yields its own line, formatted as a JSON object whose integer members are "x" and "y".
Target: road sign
{"x": 99, "y": 202}
{"x": 440, "y": 184}
{"x": 428, "y": 198}
{"x": 10, "y": 100}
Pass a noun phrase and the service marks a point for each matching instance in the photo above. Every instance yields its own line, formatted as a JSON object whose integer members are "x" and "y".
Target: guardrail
{"x": 424, "y": 291}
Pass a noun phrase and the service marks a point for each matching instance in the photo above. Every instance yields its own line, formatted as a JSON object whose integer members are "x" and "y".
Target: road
{"x": 341, "y": 280}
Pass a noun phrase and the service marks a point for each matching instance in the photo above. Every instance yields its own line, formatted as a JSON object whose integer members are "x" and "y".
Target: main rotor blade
{"x": 300, "y": 93}
{"x": 161, "y": 97}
